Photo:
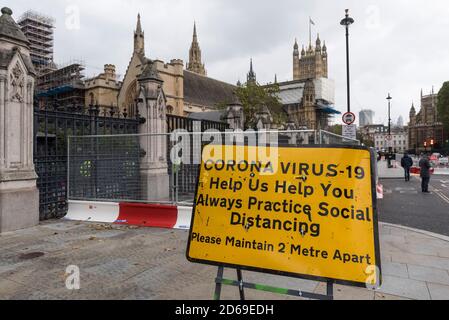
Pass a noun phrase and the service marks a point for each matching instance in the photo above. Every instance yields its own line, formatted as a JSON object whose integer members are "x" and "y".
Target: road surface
{"x": 404, "y": 204}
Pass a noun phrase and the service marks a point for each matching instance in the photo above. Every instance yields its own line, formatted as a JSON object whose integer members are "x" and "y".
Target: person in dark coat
{"x": 406, "y": 163}
{"x": 424, "y": 164}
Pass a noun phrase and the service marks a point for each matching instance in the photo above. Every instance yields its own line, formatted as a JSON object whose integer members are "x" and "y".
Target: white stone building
{"x": 399, "y": 141}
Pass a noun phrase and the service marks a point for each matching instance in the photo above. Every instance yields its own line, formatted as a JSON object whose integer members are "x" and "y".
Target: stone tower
{"x": 308, "y": 112}
{"x": 139, "y": 38}
{"x": 312, "y": 64}
{"x": 412, "y": 115}
{"x": 195, "y": 64}
{"x": 251, "y": 76}
{"x": 295, "y": 60}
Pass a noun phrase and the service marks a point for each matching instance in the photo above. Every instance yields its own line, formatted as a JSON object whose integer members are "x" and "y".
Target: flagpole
{"x": 310, "y": 31}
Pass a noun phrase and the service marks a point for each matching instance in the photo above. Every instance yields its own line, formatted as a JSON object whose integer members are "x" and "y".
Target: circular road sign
{"x": 349, "y": 118}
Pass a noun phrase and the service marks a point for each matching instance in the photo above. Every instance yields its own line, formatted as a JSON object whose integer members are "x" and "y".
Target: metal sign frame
{"x": 305, "y": 276}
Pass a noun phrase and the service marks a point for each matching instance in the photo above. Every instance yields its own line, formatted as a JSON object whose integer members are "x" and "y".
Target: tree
{"x": 254, "y": 97}
{"x": 336, "y": 129}
{"x": 443, "y": 106}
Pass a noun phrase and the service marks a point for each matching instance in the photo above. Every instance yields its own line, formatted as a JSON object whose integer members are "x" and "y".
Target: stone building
{"x": 425, "y": 129}
{"x": 399, "y": 140}
{"x": 187, "y": 91}
{"x": 309, "y": 98}
{"x": 103, "y": 90}
{"x": 312, "y": 64}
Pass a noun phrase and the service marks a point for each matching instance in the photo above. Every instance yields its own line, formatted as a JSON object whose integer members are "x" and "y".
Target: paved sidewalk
{"x": 118, "y": 262}
{"x": 397, "y": 172}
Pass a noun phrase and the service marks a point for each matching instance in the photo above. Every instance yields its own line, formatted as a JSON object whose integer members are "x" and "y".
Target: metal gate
{"x": 52, "y": 126}
{"x": 185, "y": 175}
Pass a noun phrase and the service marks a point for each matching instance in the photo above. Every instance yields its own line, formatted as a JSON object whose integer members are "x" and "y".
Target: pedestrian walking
{"x": 406, "y": 163}
{"x": 424, "y": 164}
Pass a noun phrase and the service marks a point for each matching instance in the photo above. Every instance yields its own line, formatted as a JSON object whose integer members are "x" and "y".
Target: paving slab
{"x": 429, "y": 274}
{"x": 401, "y": 287}
{"x": 438, "y": 291}
{"x": 116, "y": 262}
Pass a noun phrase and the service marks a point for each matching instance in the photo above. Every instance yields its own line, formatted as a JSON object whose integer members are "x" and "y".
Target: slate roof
{"x": 209, "y": 116}
{"x": 205, "y": 91}
{"x": 291, "y": 93}
{"x": 9, "y": 28}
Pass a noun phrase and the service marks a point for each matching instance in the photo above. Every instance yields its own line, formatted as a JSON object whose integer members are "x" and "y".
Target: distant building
{"x": 400, "y": 122}
{"x": 309, "y": 98}
{"x": 399, "y": 140}
{"x": 368, "y": 132}
{"x": 425, "y": 127}
{"x": 366, "y": 117}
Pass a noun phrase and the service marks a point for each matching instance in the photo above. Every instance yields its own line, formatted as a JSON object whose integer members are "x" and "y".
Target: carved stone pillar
{"x": 19, "y": 197}
{"x": 152, "y": 106}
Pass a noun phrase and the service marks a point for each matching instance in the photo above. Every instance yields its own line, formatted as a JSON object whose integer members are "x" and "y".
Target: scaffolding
{"x": 64, "y": 87}
{"x": 38, "y": 29}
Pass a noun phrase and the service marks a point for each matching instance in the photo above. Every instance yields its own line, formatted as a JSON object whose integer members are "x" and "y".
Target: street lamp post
{"x": 390, "y": 148}
{"x": 347, "y": 21}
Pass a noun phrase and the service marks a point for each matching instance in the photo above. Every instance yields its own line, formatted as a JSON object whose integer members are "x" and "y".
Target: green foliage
{"x": 336, "y": 129}
{"x": 443, "y": 105}
{"x": 254, "y": 97}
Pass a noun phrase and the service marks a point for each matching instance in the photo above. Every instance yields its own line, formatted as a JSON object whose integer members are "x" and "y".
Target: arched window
{"x": 91, "y": 99}
{"x": 170, "y": 109}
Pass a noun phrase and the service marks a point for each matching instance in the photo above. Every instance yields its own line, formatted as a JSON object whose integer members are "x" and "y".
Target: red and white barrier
{"x": 136, "y": 214}
{"x": 380, "y": 191}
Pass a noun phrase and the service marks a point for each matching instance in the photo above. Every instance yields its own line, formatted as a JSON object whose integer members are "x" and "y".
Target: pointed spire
{"x": 195, "y": 37}
{"x": 251, "y": 77}
{"x": 195, "y": 64}
{"x": 139, "y": 38}
{"x": 139, "y": 26}
{"x": 296, "y": 45}
{"x": 275, "y": 78}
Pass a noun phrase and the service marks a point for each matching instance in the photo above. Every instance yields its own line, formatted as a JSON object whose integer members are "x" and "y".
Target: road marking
{"x": 441, "y": 195}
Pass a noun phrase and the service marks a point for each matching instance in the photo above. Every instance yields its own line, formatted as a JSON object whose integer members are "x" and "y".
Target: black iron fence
{"x": 52, "y": 126}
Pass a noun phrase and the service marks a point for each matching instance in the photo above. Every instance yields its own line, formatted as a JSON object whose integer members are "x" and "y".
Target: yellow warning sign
{"x": 303, "y": 212}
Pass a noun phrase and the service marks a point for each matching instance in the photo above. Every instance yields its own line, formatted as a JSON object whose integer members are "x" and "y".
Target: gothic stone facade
{"x": 187, "y": 91}
{"x": 424, "y": 126}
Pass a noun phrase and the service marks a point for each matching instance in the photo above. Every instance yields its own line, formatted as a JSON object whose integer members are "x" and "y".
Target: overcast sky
{"x": 397, "y": 46}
